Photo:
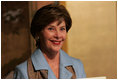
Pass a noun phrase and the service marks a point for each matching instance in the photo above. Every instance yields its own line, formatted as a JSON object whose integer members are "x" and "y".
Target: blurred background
{"x": 92, "y": 38}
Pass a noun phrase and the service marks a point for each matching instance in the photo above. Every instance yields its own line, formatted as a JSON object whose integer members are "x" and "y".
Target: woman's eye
{"x": 63, "y": 28}
{"x": 50, "y": 28}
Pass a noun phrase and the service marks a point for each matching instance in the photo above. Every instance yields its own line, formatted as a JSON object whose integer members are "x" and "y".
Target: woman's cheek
{"x": 64, "y": 37}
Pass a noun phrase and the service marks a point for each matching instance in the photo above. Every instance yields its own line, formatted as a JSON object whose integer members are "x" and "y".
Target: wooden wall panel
{"x": 15, "y": 37}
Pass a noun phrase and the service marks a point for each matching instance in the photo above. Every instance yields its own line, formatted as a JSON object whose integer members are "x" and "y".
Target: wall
{"x": 92, "y": 37}
{"x": 15, "y": 42}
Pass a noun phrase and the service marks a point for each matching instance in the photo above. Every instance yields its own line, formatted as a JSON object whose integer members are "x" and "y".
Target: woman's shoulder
{"x": 76, "y": 60}
{"x": 21, "y": 71}
{"x": 79, "y": 67}
{"x": 22, "y": 65}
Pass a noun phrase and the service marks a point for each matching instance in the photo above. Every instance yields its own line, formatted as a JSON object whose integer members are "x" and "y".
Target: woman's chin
{"x": 56, "y": 50}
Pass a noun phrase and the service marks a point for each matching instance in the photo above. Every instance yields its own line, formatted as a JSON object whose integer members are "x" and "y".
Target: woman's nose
{"x": 57, "y": 34}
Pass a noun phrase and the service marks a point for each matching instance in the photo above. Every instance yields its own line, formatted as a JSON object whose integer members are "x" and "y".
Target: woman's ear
{"x": 37, "y": 36}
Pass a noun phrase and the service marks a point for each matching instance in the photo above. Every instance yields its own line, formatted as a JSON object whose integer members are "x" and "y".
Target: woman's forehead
{"x": 57, "y": 23}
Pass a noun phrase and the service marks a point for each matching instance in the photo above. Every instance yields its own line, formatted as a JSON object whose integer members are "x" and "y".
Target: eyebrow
{"x": 51, "y": 26}
{"x": 54, "y": 26}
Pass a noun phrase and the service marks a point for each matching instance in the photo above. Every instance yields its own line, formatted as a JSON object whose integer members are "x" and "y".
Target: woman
{"x": 49, "y": 28}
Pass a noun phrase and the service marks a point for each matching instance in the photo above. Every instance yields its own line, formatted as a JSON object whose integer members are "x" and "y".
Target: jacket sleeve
{"x": 18, "y": 74}
{"x": 79, "y": 68}
{"x": 20, "y": 71}
{"x": 82, "y": 70}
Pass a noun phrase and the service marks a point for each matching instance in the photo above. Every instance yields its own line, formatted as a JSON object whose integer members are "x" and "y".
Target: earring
{"x": 37, "y": 38}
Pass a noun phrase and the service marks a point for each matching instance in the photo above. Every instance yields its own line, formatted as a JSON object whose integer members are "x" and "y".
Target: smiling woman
{"x": 49, "y": 28}
{"x": 52, "y": 37}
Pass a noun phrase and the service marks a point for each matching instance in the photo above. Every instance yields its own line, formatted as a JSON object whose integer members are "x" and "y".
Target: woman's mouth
{"x": 56, "y": 42}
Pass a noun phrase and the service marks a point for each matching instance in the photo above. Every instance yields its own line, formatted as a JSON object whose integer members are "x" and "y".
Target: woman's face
{"x": 53, "y": 36}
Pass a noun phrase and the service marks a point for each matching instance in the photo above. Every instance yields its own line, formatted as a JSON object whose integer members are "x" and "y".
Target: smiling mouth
{"x": 56, "y": 42}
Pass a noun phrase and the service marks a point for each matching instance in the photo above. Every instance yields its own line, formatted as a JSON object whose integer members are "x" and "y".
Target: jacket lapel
{"x": 66, "y": 66}
{"x": 40, "y": 64}
{"x": 70, "y": 68}
{"x": 64, "y": 73}
{"x": 65, "y": 61}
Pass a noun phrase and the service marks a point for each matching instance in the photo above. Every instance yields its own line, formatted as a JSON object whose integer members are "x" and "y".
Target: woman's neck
{"x": 53, "y": 63}
{"x": 51, "y": 56}
{"x": 53, "y": 59}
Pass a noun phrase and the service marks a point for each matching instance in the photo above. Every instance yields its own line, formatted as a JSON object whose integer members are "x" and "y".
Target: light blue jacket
{"x": 40, "y": 62}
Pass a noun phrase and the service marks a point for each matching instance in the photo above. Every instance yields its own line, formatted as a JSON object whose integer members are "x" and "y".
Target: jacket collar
{"x": 65, "y": 61}
{"x": 38, "y": 60}
{"x": 40, "y": 63}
